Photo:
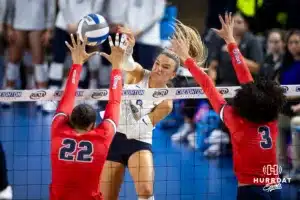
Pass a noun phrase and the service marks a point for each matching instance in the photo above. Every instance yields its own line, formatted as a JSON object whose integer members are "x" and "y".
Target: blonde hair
{"x": 191, "y": 36}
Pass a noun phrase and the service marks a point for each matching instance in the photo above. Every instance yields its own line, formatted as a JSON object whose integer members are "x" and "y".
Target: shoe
{"x": 6, "y": 194}
{"x": 182, "y": 133}
{"x": 191, "y": 138}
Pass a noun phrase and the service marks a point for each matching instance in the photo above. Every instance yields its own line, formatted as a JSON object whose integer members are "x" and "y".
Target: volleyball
{"x": 94, "y": 27}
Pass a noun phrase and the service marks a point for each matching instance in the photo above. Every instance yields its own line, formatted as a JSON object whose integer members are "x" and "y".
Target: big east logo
{"x": 285, "y": 89}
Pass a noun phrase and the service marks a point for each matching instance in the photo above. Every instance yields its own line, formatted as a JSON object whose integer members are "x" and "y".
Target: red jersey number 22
{"x": 76, "y": 151}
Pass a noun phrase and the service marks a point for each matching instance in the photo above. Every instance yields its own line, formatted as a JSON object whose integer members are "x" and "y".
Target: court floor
{"x": 180, "y": 173}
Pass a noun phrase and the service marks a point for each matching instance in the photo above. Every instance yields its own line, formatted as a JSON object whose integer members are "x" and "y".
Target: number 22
{"x": 84, "y": 150}
{"x": 266, "y": 142}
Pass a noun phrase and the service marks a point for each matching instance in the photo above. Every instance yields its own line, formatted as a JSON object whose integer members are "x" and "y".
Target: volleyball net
{"x": 183, "y": 167}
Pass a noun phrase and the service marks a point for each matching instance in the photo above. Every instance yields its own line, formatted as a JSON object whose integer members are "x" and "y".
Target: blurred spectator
{"x": 70, "y": 13}
{"x": 221, "y": 69}
{"x": 288, "y": 121}
{"x": 29, "y": 23}
{"x": 3, "y": 13}
{"x": 273, "y": 58}
{"x": 115, "y": 17}
{"x": 143, "y": 18}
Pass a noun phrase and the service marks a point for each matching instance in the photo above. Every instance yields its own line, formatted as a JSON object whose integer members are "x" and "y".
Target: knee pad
{"x": 12, "y": 71}
{"x": 94, "y": 62}
{"x": 56, "y": 71}
{"x": 40, "y": 72}
{"x": 295, "y": 124}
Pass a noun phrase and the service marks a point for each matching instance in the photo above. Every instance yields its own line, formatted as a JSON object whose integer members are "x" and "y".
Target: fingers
{"x": 111, "y": 44}
{"x": 78, "y": 39}
{"x": 123, "y": 42}
{"x": 221, "y": 20}
{"x": 117, "y": 43}
{"x": 85, "y": 40}
{"x": 73, "y": 41}
{"x": 69, "y": 46}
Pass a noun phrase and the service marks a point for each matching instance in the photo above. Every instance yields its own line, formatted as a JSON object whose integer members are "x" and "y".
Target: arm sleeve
{"x": 205, "y": 82}
{"x": 241, "y": 69}
{"x": 112, "y": 110}
{"x": 2, "y": 10}
{"x": 51, "y": 13}
{"x": 158, "y": 7}
{"x": 67, "y": 102}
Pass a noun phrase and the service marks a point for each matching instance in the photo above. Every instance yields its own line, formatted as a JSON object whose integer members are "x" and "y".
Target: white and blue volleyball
{"x": 95, "y": 28}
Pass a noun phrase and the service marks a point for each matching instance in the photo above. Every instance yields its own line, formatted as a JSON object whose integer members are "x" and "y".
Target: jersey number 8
{"x": 73, "y": 151}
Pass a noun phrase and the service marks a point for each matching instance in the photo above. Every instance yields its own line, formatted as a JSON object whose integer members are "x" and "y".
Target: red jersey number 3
{"x": 71, "y": 150}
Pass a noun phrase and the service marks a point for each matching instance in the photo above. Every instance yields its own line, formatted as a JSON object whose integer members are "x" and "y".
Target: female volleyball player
{"x": 78, "y": 148}
{"x": 131, "y": 146}
{"x": 29, "y": 23}
{"x": 251, "y": 119}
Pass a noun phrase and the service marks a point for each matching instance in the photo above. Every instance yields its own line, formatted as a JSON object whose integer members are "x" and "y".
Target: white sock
{"x": 12, "y": 71}
{"x": 56, "y": 71}
{"x": 150, "y": 198}
{"x": 40, "y": 72}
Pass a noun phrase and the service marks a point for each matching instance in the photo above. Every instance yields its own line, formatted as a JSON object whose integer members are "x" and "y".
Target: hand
{"x": 46, "y": 37}
{"x": 180, "y": 48}
{"x": 296, "y": 108}
{"x": 72, "y": 28}
{"x": 79, "y": 55}
{"x": 117, "y": 51}
{"x": 130, "y": 35}
{"x": 226, "y": 32}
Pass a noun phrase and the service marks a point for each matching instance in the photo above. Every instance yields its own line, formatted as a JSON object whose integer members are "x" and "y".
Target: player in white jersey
{"x": 132, "y": 144}
{"x": 30, "y": 24}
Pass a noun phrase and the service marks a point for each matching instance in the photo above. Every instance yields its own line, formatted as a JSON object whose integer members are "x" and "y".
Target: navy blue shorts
{"x": 122, "y": 148}
{"x": 251, "y": 192}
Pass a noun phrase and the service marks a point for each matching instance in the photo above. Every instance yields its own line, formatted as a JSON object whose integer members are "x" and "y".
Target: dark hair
{"x": 260, "y": 101}
{"x": 83, "y": 115}
{"x": 173, "y": 56}
{"x": 288, "y": 58}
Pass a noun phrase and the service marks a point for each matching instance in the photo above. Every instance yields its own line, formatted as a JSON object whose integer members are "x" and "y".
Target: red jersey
{"x": 77, "y": 159}
{"x": 254, "y": 145}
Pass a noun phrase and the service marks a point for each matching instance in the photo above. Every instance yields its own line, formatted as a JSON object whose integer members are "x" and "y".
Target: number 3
{"x": 83, "y": 148}
{"x": 266, "y": 142}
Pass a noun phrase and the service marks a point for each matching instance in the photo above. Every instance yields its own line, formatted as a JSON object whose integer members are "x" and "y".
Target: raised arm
{"x": 79, "y": 56}
{"x": 216, "y": 99}
{"x": 112, "y": 110}
{"x": 240, "y": 67}
{"x": 226, "y": 32}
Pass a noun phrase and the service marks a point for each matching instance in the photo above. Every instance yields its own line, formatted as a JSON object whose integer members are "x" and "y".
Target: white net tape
{"x": 128, "y": 94}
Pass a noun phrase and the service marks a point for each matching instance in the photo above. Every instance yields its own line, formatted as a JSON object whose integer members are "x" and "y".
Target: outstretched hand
{"x": 226, "y": 32}
{"x": 79, "y": 55}
{"x": 118, "y": 50}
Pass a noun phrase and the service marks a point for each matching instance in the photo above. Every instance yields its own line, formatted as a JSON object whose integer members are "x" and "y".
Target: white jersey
{"x": 133, "y": 110}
